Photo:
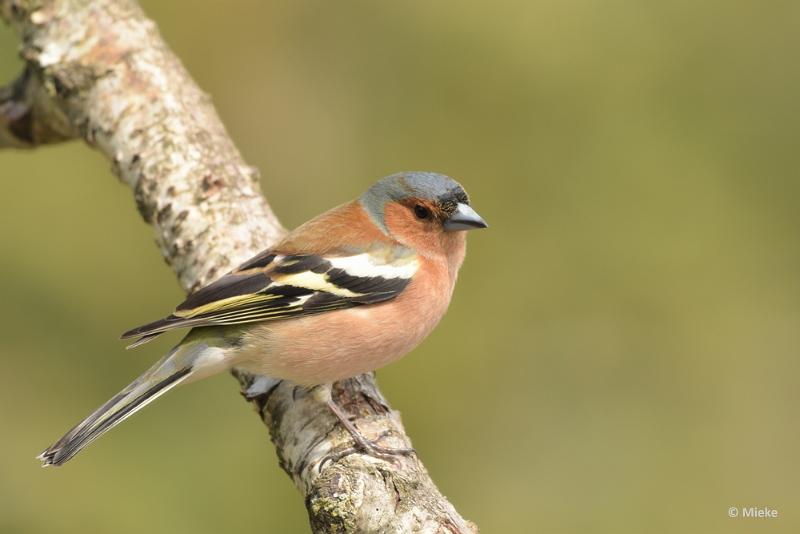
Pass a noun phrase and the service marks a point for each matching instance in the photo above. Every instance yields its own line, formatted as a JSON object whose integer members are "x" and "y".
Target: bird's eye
{"x": 422, "y": 212}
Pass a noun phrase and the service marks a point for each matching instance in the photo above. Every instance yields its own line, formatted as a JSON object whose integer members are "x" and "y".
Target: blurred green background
{"x": 621, "y": 354}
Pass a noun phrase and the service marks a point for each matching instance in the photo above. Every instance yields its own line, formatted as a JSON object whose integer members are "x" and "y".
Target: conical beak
{"x": 464, "y": 218}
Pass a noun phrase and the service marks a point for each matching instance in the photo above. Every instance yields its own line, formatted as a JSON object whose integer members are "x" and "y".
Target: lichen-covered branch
{"x": 100, "y": 71}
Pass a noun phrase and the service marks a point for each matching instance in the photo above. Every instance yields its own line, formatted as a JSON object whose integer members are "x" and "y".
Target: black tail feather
{"x": 130, "y": 399}
{"x": 156, "y": 327}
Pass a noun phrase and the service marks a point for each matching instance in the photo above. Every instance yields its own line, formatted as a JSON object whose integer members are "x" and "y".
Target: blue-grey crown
{"x": 417, "y": 184}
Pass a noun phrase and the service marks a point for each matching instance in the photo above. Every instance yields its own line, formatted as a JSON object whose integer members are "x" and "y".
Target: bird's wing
{"x": 274, "y": 286}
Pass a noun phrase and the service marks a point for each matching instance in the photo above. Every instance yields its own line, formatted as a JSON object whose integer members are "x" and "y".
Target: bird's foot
{"x": 371, "y": 448}
{"x": 261, "y": 385}
{"x": 361, "y": 443}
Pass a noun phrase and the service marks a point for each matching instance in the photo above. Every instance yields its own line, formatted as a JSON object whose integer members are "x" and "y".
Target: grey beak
{"x": 464, "y": 218}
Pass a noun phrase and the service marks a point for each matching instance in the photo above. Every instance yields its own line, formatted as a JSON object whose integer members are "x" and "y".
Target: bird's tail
{"x": 190, "y": 359}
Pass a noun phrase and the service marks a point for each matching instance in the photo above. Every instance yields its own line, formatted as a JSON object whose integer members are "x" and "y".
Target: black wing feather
{"x": 250, "y": 294}
{"x": 230, "y": 285}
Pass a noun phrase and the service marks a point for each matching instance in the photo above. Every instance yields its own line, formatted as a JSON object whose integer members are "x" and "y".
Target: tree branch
{"x": 100, "y": 71}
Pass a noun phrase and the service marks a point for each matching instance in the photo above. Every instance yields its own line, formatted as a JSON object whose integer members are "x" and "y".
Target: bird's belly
{"x": 335, "y": 345}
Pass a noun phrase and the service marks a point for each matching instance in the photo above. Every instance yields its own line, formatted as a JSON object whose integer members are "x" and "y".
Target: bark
{"x": 100, "y": 71}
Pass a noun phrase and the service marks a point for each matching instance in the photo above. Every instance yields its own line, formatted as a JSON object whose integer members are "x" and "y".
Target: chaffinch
{"x": 345, "y": 293}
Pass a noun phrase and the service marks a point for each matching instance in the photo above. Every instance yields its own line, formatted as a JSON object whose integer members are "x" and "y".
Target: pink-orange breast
{"x": 340, "y": 344}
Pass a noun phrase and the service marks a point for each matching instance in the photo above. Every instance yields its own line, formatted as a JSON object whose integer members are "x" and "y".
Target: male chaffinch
{"x": 343, "y": 294}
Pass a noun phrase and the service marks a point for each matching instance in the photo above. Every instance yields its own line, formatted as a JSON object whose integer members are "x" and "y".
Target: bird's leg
{"x": 323, "y": 394}
{"x": 366, "y": 445}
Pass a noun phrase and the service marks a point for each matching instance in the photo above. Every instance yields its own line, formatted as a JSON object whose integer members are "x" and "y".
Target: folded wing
{"x": 274, "y": 286}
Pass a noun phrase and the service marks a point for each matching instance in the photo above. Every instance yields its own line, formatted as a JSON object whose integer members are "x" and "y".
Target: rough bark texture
{"x": 100, "y": 71}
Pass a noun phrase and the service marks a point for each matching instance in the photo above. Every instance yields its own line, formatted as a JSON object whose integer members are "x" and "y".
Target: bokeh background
{"x": 622, "y": 351}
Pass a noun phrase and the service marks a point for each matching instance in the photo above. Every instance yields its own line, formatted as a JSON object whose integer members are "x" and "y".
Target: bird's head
{"x": 422, "y": 210}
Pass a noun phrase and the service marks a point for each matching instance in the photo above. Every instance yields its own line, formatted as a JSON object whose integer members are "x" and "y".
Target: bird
{"x": 345, "y": 293}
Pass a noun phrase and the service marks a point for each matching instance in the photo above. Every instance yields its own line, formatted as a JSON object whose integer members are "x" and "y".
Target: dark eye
{"x": 422, "y": 212}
